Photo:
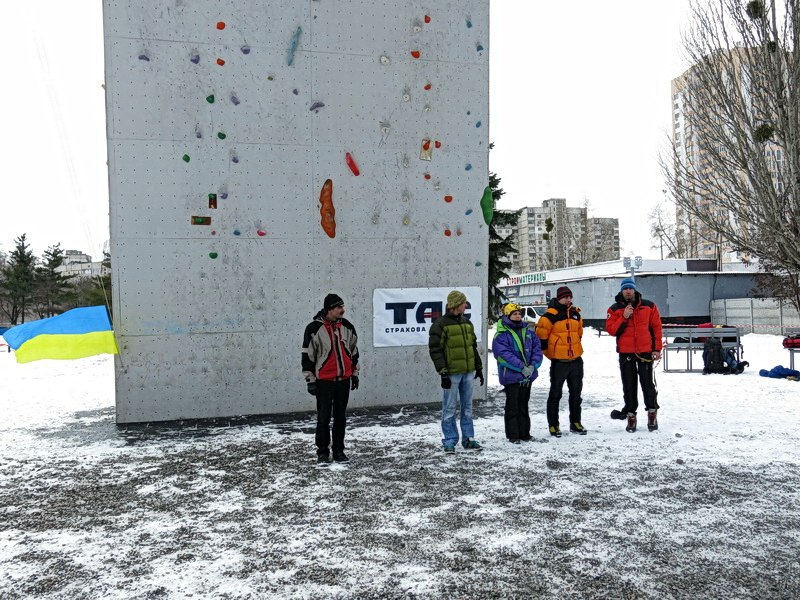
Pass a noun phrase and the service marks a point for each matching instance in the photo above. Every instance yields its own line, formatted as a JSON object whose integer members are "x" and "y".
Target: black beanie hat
{"x": 332, "y": 301}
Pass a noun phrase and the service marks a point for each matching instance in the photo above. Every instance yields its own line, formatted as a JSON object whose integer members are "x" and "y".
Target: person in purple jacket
{"x": 519, "y": 356}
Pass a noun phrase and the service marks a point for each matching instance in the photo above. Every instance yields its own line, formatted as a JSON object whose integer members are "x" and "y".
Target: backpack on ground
{"x": 791, "y": 341}
{"x": 713, "y": 357}
{"x": 735, "y": 365}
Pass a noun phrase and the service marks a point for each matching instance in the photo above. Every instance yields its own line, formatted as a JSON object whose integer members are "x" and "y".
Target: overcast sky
{"x": 580, "y": 108}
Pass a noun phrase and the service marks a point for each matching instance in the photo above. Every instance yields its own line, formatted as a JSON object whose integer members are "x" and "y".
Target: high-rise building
{"x": 697, "y": 147}
{"x": 555, "y": 235}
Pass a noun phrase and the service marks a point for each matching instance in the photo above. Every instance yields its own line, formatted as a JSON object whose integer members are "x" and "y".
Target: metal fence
{"x": 756, "y": 315}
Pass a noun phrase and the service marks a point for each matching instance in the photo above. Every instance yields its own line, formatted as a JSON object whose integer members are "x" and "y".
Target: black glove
{"x": 446, "y": 383}
{"x": 479, "y": 376}
{"x": 354, "y": 382}
{"x": 311, "y": 386}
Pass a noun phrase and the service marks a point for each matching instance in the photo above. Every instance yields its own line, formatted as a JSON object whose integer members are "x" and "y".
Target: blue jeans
{"x": 461, "y": 386}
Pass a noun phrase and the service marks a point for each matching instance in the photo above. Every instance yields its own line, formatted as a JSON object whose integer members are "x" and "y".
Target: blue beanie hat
{"x": 627, "y": 283}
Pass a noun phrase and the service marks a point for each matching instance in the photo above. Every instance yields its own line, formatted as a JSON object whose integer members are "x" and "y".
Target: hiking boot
{"x": 618, "y": 414}
{"x": 577, "y": 428}
{"x": 449, "y": 449}
{"x": 652, "y": 421}
{"x": 340, "y": 457}
{"x": 631, "y": 426}
{"x": 555, "y": 431}
{"x": 472, "y": 445}
{"x": 323, "y": 459}
{"x": 527, "y": 439}
{"x": 513, "y": 440}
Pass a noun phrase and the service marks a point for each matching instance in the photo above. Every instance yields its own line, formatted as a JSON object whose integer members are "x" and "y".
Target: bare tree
{"x": 663, "y": 231}
{"x": 736, "y": 169}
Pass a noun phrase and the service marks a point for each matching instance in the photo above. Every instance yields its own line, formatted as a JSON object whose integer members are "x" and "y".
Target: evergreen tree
{"x": 17, "y": 281}
{"x": 499, "y": 248}
{"x": 52, "y": 289}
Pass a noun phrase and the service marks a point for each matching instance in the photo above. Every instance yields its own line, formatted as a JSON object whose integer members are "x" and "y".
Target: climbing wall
{"x": 264, "y": 154}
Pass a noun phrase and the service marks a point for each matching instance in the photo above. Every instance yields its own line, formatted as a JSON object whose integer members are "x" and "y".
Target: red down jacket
{"x": 641, "y": 333}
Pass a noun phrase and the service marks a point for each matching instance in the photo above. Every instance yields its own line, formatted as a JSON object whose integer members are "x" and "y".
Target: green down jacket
{"x": 453, "y": 345}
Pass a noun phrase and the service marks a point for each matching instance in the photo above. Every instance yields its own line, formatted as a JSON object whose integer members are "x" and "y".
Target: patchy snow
{"x": 707, "y": 506}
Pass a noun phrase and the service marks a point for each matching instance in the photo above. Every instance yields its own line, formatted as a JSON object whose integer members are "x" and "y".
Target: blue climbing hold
{"x": 293, "y": 46}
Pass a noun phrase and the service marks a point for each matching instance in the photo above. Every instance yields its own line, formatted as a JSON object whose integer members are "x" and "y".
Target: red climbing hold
{"x": 426, "y": 145}
{"x": 220, "y": 62}
{"x": 448, "y": 233}
{"x": 352, "y": 164}
{"x": 427, "y": 176}
{"x": 427, "y": 18}
{"x": 448, "y": 198}
{"x": 261, "y": 233}
{"x": 428, "y": 86}
{"x": 438, "y": 144}
{"x": 221, "y": 25}
{"x": 416, "y": 53}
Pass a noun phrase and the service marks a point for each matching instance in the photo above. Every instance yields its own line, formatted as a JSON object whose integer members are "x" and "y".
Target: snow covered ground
{"x": 705, "y": 507}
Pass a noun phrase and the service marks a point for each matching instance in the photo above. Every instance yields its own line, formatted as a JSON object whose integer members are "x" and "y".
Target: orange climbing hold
{"x": 221, "y": 25}
{"x": 448, "y": 233}
{"x": 326, "y": 209}
{"x": 352, "y": 164}
{"x": 220, "y": 62}
{"x": 416, "y": 53}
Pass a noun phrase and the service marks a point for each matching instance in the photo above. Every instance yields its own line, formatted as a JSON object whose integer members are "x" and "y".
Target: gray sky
{"x": 580, "y": 106}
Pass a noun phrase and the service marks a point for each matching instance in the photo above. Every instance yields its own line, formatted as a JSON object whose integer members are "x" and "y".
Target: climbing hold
{"x": 426, "y": 108}
{"x": 406, "y": 220}
{"x": 198, "y": 133}
{"x": 210, "y": 99}
{"x": 469, "y": 112}
{"x": 469, "y": 23}
{"x": 293, "y": 46}
{"x": 195, "y": 58}
{"x": 478, "y": 124}
{"x": 385, "y": 60}
{"x": 213, "y": 254}
{"x": 295, "y": 91}
{"x": 352, "y": 164}
{"x": 448, "y": 198}
{"x": 448, "y": 233}
{"x": 245, "y": 49}
{"x": 213, "y": 232}
{"x": 326, "y": 209}
{"x": 428, "y": 86}
{"x": 438, "y": 144}
{"x": 235, "y": 158}
{"x": 487, "y": 205}
{"x": 144, "y": 57}
{"x": 224, "y": 195}
{"x": 270, "y": 77}
{"x": 201, "y": 220}
{"x": 469, "y": 211}
{"x": 458, "y": 232}
{"x": 220, "y": 62}
{"x": 427, "y": 175}
{"x": 406, "y": 97}
{"x": 427, "y": 18}
{"x": 261, "y": 232}
{"x": 426, "y": 152}
{"x": 317, "y": 105}
{"x": 221, "y": 135}
{"x": 186, "y": 158}
{"x": 212, "y": 201}
{"x": 416, "y": 27}
{"x": 221, "y": 25}
{"x": 437, "y": 185}
{"x": 478, "y": 263}
{"x": 235, "y": 100}
{"x": 479, "y": 47}
{"x": 468, "y": 167}
{"x": 416, "y": 53}
{"x": 237, "y": 232}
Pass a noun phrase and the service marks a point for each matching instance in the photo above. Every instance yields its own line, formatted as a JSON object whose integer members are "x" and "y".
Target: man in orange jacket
{"x": 560, "y": 330}
{"x": 636, "y": 323}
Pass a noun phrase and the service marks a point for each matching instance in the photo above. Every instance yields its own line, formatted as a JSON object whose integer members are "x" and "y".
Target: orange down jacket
{"x": 560, "y": 330}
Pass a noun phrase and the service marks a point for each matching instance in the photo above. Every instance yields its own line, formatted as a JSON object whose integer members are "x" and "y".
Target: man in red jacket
{"x": 636, "y": 323}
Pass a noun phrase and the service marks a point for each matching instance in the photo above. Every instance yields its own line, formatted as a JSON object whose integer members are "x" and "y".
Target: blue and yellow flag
{"x": 77, "y": 333}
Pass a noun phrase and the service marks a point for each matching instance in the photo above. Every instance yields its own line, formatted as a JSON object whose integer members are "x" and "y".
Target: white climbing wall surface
{"x": 235, "y": 131}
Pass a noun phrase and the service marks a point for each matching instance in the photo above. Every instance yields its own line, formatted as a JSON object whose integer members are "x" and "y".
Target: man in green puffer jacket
{"x": 454, "y": 351}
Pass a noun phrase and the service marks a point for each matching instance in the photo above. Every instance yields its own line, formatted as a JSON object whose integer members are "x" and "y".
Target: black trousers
{"x": 571, "y": 372}
{"x": 631, "y": 367}
{"x": 517, "y": 419}
{"x": 332, "y": 399}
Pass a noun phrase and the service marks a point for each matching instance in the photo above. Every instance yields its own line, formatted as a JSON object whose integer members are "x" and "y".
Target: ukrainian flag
{"x": 77, "y": 333}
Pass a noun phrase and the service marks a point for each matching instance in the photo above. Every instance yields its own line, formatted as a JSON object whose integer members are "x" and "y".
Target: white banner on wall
{"x": 403, "y": 316}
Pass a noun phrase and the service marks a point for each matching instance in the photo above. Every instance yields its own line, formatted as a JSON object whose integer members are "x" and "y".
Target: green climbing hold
{"x": 487, "y": 205}
{"x": 210, "y": 99}
{"x": 213, "y": 254}
{"x": 186, "y": 158}
{"x": 221, "y": 135}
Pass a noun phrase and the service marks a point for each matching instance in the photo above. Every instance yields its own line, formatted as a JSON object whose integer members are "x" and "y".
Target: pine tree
{"x": 52, "y": 289}
{"x": 499, "y": 249}
{"x": 17, "y": 281}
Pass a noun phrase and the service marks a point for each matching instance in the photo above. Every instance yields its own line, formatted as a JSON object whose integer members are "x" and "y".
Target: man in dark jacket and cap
{"x": 453, "y": 347}
{"x": 330, "y": 368}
